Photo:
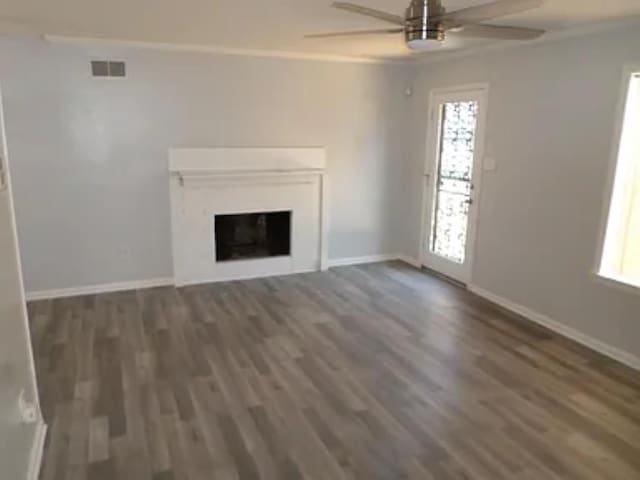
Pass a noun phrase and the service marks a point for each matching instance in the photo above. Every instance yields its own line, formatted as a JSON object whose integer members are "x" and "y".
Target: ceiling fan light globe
{"x": 423, "y": 44}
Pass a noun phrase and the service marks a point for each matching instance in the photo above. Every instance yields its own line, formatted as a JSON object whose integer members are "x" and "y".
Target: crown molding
{"x": 424, "y": 59}
{"x": 577, "y": 31}
{"x": 216, "y": 50}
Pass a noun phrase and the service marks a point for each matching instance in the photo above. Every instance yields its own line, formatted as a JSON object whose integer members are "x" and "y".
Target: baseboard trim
{"x": 194, "y": 283}
{"x": 605, "y": 349}
{"x": 414, "y": 262}
{"x": 162, "y": 282}
{"x": 95, "y": 289}
{"x": 37, "y": 451}
{"x": 345, "y": 262}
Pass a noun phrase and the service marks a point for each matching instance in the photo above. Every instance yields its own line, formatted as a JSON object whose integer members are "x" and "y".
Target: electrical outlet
{"x": 124, "y": 252}
{"x": 28, "y": 411}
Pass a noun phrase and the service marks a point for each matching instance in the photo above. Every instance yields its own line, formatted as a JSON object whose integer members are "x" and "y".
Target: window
{"x": 454, "y": 187}
{"x": 621, "y": 252}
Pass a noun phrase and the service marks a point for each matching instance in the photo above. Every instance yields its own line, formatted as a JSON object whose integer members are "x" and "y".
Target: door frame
{"x": 481, "y": 90}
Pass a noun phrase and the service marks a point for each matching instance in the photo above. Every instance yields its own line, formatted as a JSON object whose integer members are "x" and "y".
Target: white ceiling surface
{"x": 272, "y": 25}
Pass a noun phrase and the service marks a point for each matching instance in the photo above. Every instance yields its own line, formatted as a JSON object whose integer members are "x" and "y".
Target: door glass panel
{"x": 458, "y": 122}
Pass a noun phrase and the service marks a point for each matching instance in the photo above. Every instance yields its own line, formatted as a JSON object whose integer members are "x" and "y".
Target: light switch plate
{"x": 489, "y": 164}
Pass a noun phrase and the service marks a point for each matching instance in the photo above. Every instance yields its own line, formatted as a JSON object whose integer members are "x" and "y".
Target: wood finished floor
{"x": 370, "y": 372}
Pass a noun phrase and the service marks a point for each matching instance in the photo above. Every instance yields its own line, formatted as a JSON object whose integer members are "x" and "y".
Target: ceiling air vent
{"x": 108, "y": 68}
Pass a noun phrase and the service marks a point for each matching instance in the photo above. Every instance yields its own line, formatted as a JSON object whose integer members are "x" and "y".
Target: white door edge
{"x": 480, "y": 92}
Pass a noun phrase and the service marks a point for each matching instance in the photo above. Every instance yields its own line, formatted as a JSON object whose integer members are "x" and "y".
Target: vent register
{"x": 108, "y": 68}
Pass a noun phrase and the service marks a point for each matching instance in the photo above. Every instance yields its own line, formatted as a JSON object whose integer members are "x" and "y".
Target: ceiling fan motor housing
{"x": 418, "y": 26}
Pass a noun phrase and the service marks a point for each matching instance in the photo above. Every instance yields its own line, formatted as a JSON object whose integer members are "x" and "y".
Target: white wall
{"x": 552, "y": 109}
{"x": 16, "y": 364}
{"x": 90, "y": 156}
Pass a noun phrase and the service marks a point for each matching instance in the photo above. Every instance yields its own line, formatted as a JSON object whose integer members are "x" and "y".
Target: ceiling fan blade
{"x": 370, "y": 12}
{"x": 500, "y": 32}
{"x": 356, "y": 32}
{"x": 488, "y": 11}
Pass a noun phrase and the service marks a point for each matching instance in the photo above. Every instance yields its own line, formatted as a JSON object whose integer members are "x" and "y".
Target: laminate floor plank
{"x": 378, "y": 371}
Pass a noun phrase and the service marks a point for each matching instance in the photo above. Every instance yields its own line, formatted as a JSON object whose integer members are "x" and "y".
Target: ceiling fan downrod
{"x": 419, "y": 29}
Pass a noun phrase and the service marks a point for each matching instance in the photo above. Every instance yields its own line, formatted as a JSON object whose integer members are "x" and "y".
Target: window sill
{"x": 618, "y": 283}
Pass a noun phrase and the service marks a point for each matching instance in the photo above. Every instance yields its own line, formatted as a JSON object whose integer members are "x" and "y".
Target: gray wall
{"x": 90, "y": 160}
{"x": 552, "y": 109}
{"x": 90, "y": 156}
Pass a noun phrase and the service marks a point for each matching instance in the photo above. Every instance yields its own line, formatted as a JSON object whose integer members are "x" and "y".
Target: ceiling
{"x": 272, "y": 25}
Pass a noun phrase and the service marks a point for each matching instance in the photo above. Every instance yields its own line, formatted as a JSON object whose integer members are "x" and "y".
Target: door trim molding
{"x": 483, "y": 89}
{"x": 37, "y": 451}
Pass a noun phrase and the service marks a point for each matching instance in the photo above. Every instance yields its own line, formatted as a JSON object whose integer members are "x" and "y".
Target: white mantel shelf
{"x": 246, "y": 161}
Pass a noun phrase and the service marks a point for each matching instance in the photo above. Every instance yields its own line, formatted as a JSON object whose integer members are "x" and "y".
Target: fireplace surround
{"x": 247, "y": 212}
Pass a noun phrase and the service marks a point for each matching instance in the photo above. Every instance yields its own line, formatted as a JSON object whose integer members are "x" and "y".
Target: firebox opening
{"x": 252, "y": 235}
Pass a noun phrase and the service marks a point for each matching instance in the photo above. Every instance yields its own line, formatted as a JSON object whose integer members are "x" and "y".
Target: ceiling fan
{"x": 426, "y": 23}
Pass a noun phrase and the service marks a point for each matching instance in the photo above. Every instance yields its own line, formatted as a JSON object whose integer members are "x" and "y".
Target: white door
{"x": 455, "y": 141}
{"x": 17, "y": 378}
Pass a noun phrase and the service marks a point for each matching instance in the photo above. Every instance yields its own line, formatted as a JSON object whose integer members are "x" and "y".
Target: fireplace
{"x": 252, "y": 235}
{"x": 247, "y": 212}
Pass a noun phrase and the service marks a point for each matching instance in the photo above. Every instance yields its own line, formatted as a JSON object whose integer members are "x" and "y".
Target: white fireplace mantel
{"x": 246, "y": 161}
{"x": 210, "y": 181}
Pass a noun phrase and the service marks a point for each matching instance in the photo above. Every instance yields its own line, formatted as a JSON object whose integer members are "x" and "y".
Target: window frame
{"x": 628, "y": 72}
